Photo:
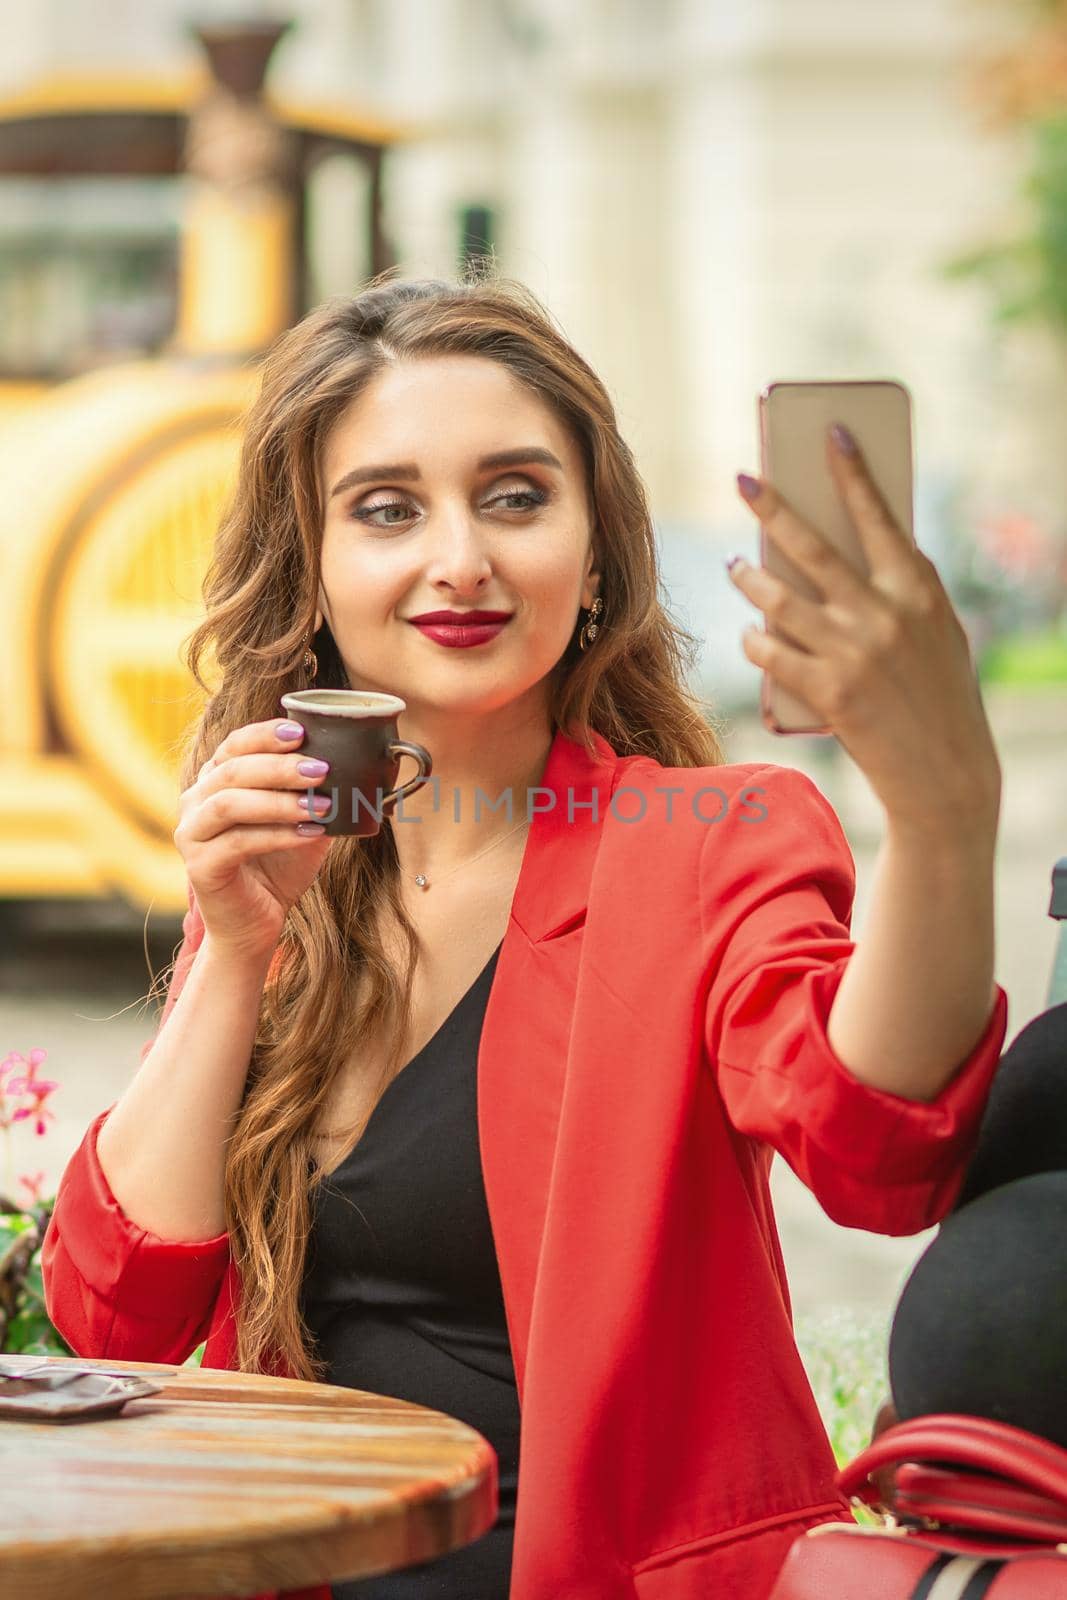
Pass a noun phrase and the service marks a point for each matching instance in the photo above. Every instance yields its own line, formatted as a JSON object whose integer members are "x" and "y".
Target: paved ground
{"x": 74, "y": 983}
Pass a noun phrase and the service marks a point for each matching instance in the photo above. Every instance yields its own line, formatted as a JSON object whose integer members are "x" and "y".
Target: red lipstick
{"x": 460, "y": 629}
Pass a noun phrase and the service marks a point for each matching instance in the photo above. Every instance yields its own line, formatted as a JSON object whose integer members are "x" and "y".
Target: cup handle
{"x": 401, "y": 747}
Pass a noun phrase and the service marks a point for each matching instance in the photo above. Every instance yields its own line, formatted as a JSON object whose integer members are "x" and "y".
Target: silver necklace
{"x": 423, "y": 881}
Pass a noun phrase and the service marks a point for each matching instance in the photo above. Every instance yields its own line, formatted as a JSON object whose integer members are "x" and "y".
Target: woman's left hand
{"x": 885, "y": 660}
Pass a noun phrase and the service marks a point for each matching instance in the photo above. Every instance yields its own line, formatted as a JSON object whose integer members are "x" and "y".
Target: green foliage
{"x": 1029, "y": 660}
{"x": 28, "y": 1330}
{"x": 1027, "y": 274}
{"x": 844, "y": 1355}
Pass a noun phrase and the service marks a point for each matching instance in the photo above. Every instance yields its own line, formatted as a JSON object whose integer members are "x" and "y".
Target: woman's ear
{"x": 591, "y": 581}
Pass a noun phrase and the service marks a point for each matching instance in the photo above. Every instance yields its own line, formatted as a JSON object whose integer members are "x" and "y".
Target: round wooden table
{"x": 231, "y": 1484}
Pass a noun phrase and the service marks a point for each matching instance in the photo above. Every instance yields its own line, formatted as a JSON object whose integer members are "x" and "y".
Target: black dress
{"x": 402, "y": 1290}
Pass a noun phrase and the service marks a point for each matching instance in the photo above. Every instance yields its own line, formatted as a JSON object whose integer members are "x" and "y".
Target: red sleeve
{"x": 776, "y": 906}
{"x": 114, "y": 1290}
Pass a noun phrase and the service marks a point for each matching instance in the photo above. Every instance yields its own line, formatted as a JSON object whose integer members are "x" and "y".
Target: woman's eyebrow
{"x": 409, "y": 470}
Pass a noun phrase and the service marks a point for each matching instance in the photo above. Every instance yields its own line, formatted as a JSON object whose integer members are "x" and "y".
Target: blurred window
{"x": 338, "y": 226}
{"x": 476, "y": 234}
{"x": 88, "y": 271}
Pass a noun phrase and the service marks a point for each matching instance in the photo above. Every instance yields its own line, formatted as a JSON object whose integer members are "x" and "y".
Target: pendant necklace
{"x": 423, "y": 881}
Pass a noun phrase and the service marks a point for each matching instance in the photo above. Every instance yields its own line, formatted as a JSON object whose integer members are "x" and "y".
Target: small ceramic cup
{"x": 355, "y": 730}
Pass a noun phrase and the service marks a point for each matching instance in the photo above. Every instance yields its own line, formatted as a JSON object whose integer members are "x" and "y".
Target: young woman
{"x": 479, "y": 1111}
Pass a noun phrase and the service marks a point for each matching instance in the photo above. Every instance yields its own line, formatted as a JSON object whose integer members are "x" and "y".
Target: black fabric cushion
{"x": 1024, "y": 1128}
{"x": 981, "y": 1325}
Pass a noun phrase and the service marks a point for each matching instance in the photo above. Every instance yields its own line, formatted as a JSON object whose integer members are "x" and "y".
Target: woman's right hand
{"x": 238, "y": 835}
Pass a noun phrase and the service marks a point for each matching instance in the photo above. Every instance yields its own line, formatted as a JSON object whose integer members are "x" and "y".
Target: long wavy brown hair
{"x": 260, "y": 597}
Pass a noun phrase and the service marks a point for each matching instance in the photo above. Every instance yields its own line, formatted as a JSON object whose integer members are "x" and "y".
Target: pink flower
{"x": 33, "y": 1185}
{"x": 39, "y": 1112}
{"x": 28, "y": 1083}
{"x": 37, "y": 1088}
{"x": 10, "y": 1062}
{"x": 1017, "y": 543}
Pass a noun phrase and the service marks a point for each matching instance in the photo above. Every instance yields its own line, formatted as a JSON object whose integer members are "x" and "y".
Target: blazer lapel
{"x": 526, "y": 1032}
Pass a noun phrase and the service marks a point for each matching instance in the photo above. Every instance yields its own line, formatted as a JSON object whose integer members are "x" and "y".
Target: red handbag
{"x": 976, "y": 1509}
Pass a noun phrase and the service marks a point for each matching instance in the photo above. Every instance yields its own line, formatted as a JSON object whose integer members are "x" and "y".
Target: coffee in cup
{"x": 355, "y": 730}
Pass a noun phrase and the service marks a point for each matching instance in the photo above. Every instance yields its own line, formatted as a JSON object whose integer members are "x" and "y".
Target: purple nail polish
{"x": 732, "y": 561}
{"x": 289, "y": 730}
{"x": 843, "y": 438}
{"x": 313, "y": 769}
{"x": 749, "y": 486}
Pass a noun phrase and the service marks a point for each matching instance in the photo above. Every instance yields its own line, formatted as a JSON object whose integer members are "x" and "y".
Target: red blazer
{"x": 656, "y": 1028}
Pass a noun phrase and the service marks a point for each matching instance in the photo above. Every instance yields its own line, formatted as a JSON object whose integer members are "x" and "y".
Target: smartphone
{"x": 794, "y": 419}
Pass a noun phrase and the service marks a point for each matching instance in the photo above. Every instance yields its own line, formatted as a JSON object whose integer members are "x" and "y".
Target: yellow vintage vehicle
{"x": 114, "y": 479}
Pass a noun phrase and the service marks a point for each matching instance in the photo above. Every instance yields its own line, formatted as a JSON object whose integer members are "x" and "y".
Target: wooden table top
{"x": 226, "y": 1483}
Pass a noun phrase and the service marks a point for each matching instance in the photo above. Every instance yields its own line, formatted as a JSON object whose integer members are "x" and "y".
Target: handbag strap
{"x": 993, "y": 1447}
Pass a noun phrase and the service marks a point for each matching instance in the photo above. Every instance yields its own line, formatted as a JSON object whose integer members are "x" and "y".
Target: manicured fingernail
{"x": 749, "y": 486}
{"x": 734, "y": 561}
{"x": 289, "y": 730}
{"x": 313, "y": 769}
{"x": 843, "y": 439}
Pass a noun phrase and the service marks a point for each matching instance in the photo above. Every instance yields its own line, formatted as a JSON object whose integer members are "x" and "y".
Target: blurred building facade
{"x": 709, "y": 196}
{"x": 714, "y": 196}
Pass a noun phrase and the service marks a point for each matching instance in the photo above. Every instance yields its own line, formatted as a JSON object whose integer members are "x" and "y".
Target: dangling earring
{"x": 311, "y": 660}
{"x": 590, "y": 627}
